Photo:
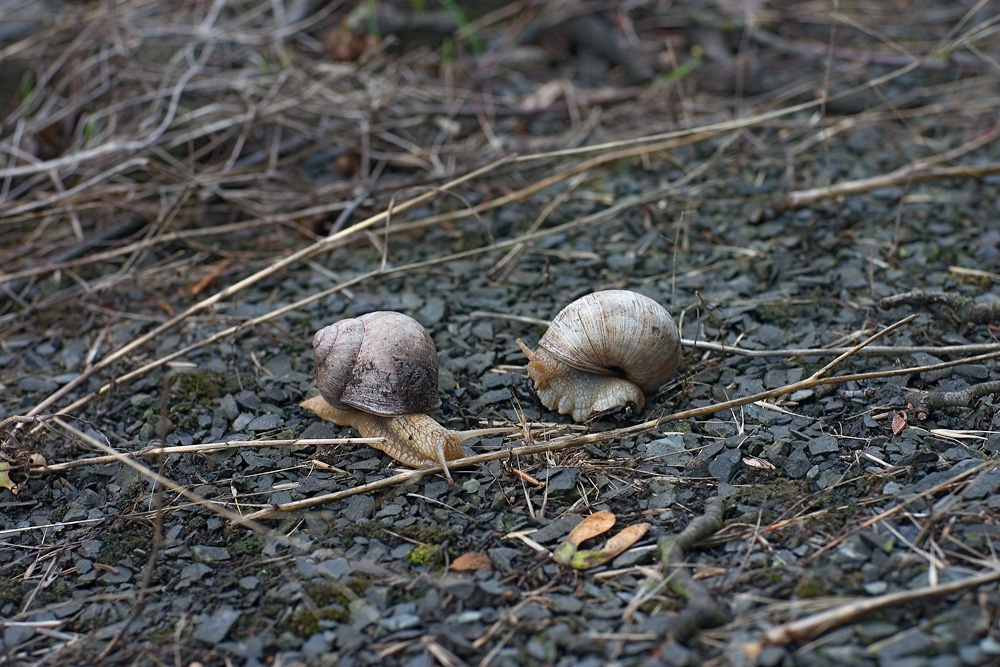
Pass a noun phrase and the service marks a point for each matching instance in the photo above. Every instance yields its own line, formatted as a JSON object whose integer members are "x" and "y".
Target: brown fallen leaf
{"x": 568, "y": 555}
{"x": 899, "y": 422}
{"x": 5, "y": 480}
{"x": 625, "y": 539}
{"x": 596, "y": 524}
{"x": 472, "y": 560}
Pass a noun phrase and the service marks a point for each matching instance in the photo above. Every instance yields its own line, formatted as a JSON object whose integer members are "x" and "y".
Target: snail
{"x": 378, "y": 373}
{"x": 604, "y": 352}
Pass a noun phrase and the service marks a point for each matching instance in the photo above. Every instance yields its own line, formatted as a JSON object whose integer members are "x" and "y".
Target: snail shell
{"x": 378, "y": 373}
{"x": 382, "y": 363}
{"x": 604, "y": 352}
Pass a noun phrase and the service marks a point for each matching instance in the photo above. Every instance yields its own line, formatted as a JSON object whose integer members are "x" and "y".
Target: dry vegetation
{"x": 160, "y": 160}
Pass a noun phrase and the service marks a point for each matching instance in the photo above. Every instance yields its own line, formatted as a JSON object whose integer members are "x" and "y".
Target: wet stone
{"x": 771, "y": 656}
{"x": 89, "y": 499}
{"x": 503, "y": 557}
{"x": 264, "y": 423}
{"x": 359, "y": 507}
{"x": 908, "y": 644}
{"x": 90, "y": 548}
{"x": 38, "y": 384}
{"x": 255, "y": 463}
{"x": 316, "y": 647}
{"x": 971, "y": 654}
{"x": 491, "y": 397}
{"x": 725, "y": 465}
{"x": 400, "y": 622}
{"x": 194, "y": 572}
{"x": 566, "y": 604}
{"x": 209, "y": 554}
{"x": 990, "y": 646}
{"x": 229, "y": 407}
{"x": 462, "y": 587}
{"x": 985, "y": 484}
{"x": 556, "y": 529}
{"x": 334, "y": 568}
{"x": 559, "y": 479}
{"x": 248, "y": 399}
{"x": 824, "y": 444}
{"x": 432, "y": 312}
{"x": 797, "y": 464}
{"x": 669, "y": 451}
{"x": 119, "y": 575}
{"x": 141, "y": 400}
{"x": 215, "y": 628}
{"x": 241, "y": 422}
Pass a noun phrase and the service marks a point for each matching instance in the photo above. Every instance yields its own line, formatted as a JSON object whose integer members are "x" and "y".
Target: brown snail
{"x": 604, "y": 352}
{"x": 378, "y": 373}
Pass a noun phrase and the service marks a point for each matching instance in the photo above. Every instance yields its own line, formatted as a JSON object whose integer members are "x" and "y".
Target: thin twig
{"x": 812, "y": 626}
{"x": 202, "y": 448}
{"x": 915, "y": 172}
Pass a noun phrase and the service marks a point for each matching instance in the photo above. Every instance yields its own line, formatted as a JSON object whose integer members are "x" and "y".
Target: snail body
{"x": 604, "y": 352}
{"x": 414, "y": 439}
{"x": 378, "y": 373}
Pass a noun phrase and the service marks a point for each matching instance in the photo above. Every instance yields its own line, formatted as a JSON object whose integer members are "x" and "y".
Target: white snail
{"x": 604, "y": 352}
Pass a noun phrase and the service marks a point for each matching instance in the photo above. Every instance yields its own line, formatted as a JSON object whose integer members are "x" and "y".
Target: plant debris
{"x": 188, "y": 191}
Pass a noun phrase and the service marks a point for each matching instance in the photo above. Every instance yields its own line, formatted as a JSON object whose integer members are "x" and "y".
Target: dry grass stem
{"x": 917, "y": 172}
{"x": 812, "y": 626}
{"x": 202, "y": 449}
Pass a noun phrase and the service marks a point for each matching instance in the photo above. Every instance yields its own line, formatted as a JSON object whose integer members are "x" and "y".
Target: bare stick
{"x": 833, "y": 364}
{"x": 927, "y": 402}
{"x": 201, "y": 448}
{"x": 918, "y": 171}
{"x": 868, "y": 350}
{"x": 963, "y": 307}
{"x": 701, "y": 610}
{"x": 812, "y": 626}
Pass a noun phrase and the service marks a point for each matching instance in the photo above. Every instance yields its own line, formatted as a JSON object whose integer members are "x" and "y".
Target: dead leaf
{"x": 625, "y": 539}
{"x": 760, "y": 464}
{"x": 5, "y": 481}
{"x": 596, "y": 524}
{"x": 709, "y": 571}
{"x": 472, "y": 560}
{"x": 345, "y": 45}
{"x": 899, "y": 422}
{"x": 568, "y": 555}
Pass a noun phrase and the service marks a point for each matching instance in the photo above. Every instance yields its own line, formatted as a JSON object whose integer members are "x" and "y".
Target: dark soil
{"x": 831, "y": 494}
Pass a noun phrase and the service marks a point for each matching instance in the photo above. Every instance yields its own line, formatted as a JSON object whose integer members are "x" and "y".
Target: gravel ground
{"x": 831, "y": 495}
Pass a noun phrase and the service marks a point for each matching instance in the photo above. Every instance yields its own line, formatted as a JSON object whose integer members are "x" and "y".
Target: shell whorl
{"x": 382, "y": 363}
{"x": 616, "y": 333}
